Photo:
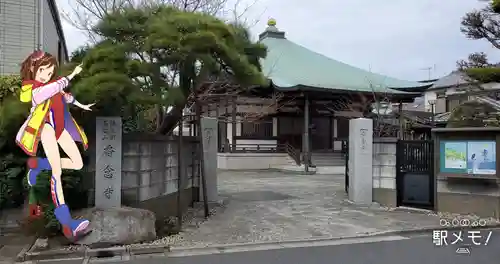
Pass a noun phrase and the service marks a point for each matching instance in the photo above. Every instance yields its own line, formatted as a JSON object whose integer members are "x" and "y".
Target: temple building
{"x": 301, "y": 121}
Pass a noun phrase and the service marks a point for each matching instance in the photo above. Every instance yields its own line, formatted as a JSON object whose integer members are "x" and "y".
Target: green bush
{"x": 473, "y": 114}
{"x": 484, "y": 75}
{"x": 495, "y": 5}
{"x": 12, "y": 159}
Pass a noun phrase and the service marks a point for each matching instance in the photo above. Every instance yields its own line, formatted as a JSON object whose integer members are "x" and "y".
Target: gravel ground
{"x": 258, "y": 207}
{"x": 276, "y": 207}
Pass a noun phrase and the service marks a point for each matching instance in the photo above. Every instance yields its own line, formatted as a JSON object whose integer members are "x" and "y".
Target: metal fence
{"x": 345, "y": 151}
{"x": 415, "y": 173}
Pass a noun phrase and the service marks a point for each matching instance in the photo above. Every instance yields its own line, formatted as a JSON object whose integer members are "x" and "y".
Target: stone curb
{"x": 21, "y": 256}
{"x": 91, "y": 252}
{"x": 109, "y": 252}
{"x": 105, "y": 252}
{"x": 430, "y": 229}
{"x": 220, "y": 247}
{"x": 54, "y": 254}
{"x": 149, "y": 249}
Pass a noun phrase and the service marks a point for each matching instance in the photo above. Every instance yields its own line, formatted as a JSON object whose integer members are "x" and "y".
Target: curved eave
{"x": 418, "y": 89}
{"x": 302, "y": 87}
{"x": 442, "y": 87}
{"x": 57, "y": 19}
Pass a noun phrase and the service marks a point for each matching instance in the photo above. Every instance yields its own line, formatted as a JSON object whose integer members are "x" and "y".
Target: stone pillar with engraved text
{"x": 108, "y": 162}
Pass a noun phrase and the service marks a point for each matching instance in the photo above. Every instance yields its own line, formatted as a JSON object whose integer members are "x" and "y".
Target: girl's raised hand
{"x": 87, "y": 107}
{"x": 77, "y": 69}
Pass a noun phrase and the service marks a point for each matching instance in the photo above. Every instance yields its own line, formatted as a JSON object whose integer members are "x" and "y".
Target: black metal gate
{"x": 415, "y": 173}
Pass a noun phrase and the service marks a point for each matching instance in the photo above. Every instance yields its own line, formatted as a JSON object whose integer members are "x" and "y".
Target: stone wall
{"x": 468, "y": 196}
{"x": 150, "y": 172}
{"x": 384, "y": 171}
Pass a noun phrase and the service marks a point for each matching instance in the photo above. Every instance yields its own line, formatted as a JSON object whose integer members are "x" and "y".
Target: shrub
{"x": 484, "y": 75}
{"x": 473, "y": 114}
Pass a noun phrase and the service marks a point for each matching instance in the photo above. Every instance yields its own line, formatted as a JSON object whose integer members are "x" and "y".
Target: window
{"x": 257, "y": 129}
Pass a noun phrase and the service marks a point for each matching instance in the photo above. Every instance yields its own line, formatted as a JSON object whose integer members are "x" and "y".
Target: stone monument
{"x": 209, "y": 136}
{"x": 111, "y": 223}
{"x": 360, "y": 160}
{"x": 108, "y": 167}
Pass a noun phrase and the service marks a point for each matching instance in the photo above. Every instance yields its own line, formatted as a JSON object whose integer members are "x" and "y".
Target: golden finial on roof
{"x": 271, "y": 22}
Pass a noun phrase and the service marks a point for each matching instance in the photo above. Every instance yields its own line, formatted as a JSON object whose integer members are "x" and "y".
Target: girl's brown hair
{"x": 34, "y": 61}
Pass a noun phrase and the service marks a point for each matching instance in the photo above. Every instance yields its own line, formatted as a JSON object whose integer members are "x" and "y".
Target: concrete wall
{"x": 252, "y": 161}
{"x": 149, "y": 172}
{"x": 384, "y": 171}
{"x": 468, "y": 196}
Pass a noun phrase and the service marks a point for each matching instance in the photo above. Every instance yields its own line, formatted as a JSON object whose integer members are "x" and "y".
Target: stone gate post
{"x": 360, "y": 160}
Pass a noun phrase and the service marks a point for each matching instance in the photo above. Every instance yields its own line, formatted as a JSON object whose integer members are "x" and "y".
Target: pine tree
{"x": 159, "y": 55}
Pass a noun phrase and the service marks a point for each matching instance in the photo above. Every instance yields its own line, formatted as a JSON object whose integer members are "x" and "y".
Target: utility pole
{"x": 428, "y": 69}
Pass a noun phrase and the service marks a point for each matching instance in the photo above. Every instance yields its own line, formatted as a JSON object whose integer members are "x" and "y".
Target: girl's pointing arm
{"x": 42, "y": 93}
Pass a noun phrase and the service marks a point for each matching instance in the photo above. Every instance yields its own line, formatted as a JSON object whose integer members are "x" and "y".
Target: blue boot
{"x": 35, "y": 166}
{"x": 73, "y": 229}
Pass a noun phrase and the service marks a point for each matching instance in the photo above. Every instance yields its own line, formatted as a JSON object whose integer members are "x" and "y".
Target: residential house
{"x": 454, "y": 89}
{"x": 27, "y": 25}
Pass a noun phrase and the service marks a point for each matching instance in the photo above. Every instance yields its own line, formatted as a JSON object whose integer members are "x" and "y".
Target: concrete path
{"x": 271, "y": 209}
{"x": 276, "y": 207}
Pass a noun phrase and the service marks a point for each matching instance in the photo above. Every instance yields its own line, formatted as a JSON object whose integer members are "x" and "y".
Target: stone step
{"x": 324, "y": 158}
{"x": 327, "y": 160}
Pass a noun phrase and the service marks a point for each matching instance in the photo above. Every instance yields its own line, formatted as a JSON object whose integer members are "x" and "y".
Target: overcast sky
{"x": 398, "y": 38}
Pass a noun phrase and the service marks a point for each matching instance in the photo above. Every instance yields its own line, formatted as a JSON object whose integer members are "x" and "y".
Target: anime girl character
{"x": 51, "y": 123}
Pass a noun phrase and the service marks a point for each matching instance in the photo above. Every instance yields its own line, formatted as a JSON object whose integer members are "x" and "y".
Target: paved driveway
{"x": 273, "y": 206}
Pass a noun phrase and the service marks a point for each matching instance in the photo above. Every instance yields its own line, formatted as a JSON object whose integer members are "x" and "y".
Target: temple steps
{"x": 325, "y": 159}
{"x": 325, "y": 163}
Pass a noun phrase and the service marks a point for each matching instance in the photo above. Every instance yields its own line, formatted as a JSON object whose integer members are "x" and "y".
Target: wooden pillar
{"x": 180, "y": 170}
{"x": 330, "y": 133}
{"x": 220, "y": 134}
{"x": 401, "y": 121}
{"x": 305, "y": 139}
{"x": 233, "y": 121}
{"x": 227, "y": 148}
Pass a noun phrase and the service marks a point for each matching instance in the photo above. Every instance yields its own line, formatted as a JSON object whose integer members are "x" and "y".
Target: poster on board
{"x": 468, "y": 157}
{"x": 453, "y": 156}
{"x": 481, "y": 157}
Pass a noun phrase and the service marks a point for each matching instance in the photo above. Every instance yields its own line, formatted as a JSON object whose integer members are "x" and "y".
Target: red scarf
{"x": 56, "y": 105}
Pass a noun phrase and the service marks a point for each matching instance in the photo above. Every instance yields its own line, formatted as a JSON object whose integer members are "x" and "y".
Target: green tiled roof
{"x": 290, "y": 66}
